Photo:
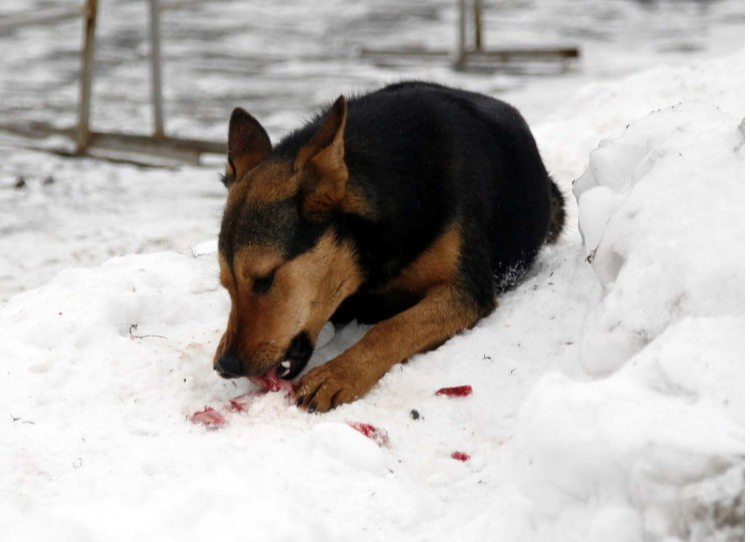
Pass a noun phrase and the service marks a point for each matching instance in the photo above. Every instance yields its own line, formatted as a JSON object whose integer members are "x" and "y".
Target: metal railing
{"x": 467, "y": 55}
{"x": 158, "y": 144}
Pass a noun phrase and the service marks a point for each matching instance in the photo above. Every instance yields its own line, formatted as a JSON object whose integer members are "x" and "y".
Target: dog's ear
{"x": 321, "y": 165}
{"x": 248, "y": 145}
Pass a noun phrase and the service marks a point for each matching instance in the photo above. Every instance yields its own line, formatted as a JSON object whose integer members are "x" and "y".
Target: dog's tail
{"x": 557, "y": 213}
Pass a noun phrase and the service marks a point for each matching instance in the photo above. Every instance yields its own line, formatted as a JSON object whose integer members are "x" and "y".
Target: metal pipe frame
{"x": 156, "y": 88}
{"x": 87, "y": 75}
{"x": 42, "y": 16}
{"x": 478, "y": 21}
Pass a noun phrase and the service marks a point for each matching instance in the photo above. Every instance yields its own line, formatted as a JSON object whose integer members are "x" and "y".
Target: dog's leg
{"x": 442, "y": 313}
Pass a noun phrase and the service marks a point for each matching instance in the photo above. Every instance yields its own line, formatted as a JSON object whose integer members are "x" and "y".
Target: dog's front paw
{"x": 331, "y": 385}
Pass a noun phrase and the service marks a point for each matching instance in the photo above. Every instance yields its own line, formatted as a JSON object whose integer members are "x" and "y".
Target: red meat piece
{"x": 272, "y": 382}
{"x": 460, "y": 456}
{"x": 455, "y": 391}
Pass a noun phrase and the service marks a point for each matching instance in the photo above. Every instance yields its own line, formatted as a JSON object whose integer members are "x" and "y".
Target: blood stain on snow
{"x": 269, "y": 382}
{"x": 455, "y": 391}
{"x": 380, "y": 436}
{"x": 272, "y": 382}
{"x": 241, "y": 402}
{"x": 208, "y": 417}
{"x": 460, "y": 456}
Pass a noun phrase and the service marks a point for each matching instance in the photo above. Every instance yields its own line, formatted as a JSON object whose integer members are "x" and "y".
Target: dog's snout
{"x": 230, "y": 366}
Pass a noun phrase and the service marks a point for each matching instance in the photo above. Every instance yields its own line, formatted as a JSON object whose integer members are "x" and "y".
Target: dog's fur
{"x": 411, "y": 206}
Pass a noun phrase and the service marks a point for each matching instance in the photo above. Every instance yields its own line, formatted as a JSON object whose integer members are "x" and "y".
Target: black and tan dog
{"x": 411, "y": 206}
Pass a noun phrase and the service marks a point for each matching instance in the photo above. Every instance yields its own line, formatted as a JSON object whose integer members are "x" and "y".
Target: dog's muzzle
{"x": 292, "y": 364}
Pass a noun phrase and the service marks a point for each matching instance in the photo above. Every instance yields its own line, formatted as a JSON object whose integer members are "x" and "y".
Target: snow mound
{"x": 661, "y": 215}
{"x": 601, "y": 109}
{"x": 655, "y": 450}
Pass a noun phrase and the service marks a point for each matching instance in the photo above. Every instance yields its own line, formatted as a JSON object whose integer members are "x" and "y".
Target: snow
{"x": 679, "y": 157}
{"x": 608, "y": 388}
{"x": 602, "y": 110}
{"x": 661, "y": 217}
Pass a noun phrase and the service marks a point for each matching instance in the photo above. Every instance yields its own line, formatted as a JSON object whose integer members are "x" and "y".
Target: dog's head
{"x": 281, "y": 260}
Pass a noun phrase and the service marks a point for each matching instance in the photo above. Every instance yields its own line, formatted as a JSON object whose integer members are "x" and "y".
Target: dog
{"x": 410, "y": 207}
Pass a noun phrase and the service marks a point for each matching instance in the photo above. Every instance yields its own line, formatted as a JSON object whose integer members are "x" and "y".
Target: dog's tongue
{"x": 271, "y": 381}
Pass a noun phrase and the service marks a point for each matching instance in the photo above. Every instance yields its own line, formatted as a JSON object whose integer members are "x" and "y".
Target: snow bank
{"x": 661, "y": 216}
{"x": 601, "y": 110}
{"x": 656, "y": 450}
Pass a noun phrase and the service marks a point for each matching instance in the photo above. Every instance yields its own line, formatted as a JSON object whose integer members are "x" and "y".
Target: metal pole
{"x": 156, "y": 70}
{"x": 478, "y": 15}
{"x": 461, "y": 33}
{"x": 39, "y": 17}
{"x": 87, "y": 76}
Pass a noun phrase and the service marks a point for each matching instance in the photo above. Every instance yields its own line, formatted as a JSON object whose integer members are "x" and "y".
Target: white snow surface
{"x": 657, "y": 440}
{"x": 608, "y": 395}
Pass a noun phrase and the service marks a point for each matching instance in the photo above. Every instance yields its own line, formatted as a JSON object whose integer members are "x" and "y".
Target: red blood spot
{"x": 237, "y": 406}
{"x": 460, "y": 456}
{"x": 456, "y": 391}
{"x": 272, "y": 382}
{"x": 269, "y": 382}
{"x": 372, "y": 432}
{"x": 208, "y": 417}
{"x": 242, "y": 402}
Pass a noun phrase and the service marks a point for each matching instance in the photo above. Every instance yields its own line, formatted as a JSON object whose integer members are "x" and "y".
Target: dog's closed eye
{"x": 263, "y": 284}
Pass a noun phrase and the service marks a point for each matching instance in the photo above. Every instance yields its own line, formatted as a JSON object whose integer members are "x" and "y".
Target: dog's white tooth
{"x": 286, "y": 372}
{"x": 286, "y": 365}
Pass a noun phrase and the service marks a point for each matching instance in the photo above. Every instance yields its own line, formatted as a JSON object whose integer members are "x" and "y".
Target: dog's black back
{"x": 426, "y": 156}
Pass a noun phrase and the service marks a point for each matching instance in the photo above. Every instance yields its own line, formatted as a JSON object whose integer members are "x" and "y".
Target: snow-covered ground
{"x": 608, "y": 395}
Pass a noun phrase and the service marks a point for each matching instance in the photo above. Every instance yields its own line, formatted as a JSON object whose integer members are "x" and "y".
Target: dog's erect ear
{"x": 321, "y": 163}
{"x": 248, "y": 145}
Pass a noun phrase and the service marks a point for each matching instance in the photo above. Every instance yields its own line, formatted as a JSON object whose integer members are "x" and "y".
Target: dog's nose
{"x": 229, "y": 366}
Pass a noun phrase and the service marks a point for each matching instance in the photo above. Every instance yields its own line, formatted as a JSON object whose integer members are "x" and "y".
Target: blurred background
{"x": 282, "y": 59}
{"x": 279, "y": 60}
